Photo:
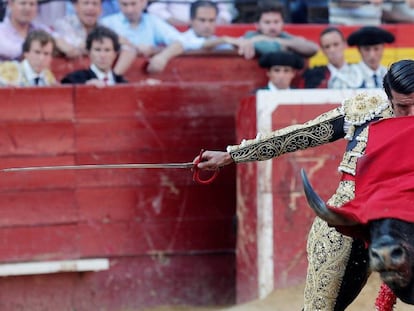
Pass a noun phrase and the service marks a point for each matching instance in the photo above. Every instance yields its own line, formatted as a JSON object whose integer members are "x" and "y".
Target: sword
{"x": 99, "y": 166}
{"x": 185, "y": 165}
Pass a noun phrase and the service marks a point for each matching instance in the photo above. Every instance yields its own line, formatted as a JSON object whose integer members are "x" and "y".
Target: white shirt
{"x": 102, "y": 75}
{"x": 346, "y": 77}
{"x": 368, "y": 73}
{"x": 30, "y": 74}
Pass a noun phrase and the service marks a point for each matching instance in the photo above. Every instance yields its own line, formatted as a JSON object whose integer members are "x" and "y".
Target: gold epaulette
{"x": 50, "y": 78}
{"x": 10, "y": 73}
{"x": 363, "y": 107}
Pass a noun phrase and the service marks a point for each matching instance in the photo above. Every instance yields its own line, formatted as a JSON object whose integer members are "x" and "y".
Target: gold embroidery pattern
{"x": 296, "y": 137}
{"x": 350, "y": 157}
{"x": 344, "y": 193}
{"x": 362, "y": 108}
{"x": 10, "y": 73}
{"x": 328, "y": 254}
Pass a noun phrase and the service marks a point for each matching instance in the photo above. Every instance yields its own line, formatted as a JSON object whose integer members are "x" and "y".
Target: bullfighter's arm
{"x": 325, "y": 128}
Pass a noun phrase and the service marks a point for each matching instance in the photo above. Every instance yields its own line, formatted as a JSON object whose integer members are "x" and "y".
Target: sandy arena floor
{"x": 290, "y": 299}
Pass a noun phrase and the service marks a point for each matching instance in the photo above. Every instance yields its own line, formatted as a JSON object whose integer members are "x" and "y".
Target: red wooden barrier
{"x": 168, "y": 239}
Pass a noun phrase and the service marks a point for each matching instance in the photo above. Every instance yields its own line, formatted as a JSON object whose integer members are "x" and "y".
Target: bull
{"x": 382, "y": 210}
{"x": 390, "y": 240}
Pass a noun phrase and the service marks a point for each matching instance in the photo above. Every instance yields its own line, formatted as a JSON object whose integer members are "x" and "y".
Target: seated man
{"x": 20, "y": 20}
{"x": 337, "y": 74}
{"x": 270, "y": 36}
{"x": 34, "y": 70}
{"x": 103, "y": 46}
{"x": 151, "y": 36}
{"x": 281, "y": 69}
{"x": 201, "y": 35}
{"x": 74, "y": 28}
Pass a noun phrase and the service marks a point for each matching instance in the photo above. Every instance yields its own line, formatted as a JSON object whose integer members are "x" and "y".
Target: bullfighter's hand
{"x": 212, "y": 160}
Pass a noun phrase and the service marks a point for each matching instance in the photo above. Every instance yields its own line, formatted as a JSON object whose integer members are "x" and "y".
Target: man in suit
{"x": 103, "y": 47}
{"x": 34, "y": 69}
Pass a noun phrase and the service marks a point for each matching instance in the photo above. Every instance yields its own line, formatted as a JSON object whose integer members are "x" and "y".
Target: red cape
{"x": 384, "y": 181}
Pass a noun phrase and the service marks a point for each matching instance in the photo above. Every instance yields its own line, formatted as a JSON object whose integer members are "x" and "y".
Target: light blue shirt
{"x": 193, "y": 42}
{"x": 150, "y": 31}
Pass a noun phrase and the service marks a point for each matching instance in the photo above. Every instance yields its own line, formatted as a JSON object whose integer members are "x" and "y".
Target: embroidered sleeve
{"x": 323, "y": 129}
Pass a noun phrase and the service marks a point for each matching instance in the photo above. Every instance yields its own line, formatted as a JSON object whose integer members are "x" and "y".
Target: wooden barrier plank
{"x": 18, "y": 181}
{"x": 36, "y": 104}
{"x": 127, "y": 285}
{"x": 152, "y": 203}
{"x": 98, "y": 239}
{"x": 209, "y": 68}
{"x": 47, "y": 207}
{"x": 152, "y": 133}
{"x": 36, "y": 138}
{"x": 164, "y": 100}
{"x": 39, "y": 243}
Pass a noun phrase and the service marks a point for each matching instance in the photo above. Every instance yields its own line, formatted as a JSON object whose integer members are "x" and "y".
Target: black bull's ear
{"x": 319, "y": 206}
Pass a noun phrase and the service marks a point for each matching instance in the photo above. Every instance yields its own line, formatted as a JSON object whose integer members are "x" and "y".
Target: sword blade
{"x": 100, "y": 166}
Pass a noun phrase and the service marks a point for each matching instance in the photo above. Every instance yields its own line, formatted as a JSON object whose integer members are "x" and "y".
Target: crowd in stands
{"x": 112, "y": 33}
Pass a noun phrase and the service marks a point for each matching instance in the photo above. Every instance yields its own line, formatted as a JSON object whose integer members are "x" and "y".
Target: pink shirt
{"x": 11, "y": 41}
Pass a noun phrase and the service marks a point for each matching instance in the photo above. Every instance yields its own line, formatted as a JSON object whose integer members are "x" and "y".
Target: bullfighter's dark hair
{"x": 101, "y": 32}
{"x": 201, "y": 4}
{"x": 400, "y": 78}
{"x": 39, "y": 35}
{"x": 269, "y": 6}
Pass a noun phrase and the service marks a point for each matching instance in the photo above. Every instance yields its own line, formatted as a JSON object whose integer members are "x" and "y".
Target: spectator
{"x": 203, "y": 26}
{"x": 103, "y": 46}
{"x": 369, "y": 12}
{"x": 281, "y": 69}
{"x": 74, "y": 28}
{"x": 16, "y": 25}
{"x": 370, "y": 41}
{"x": 399, "y": 12}
{"x": 34, "y": 70}
{"x": 177, "y": 13}
{"x": 357, "y": 12}
{"x": 151, "y": 36}
{"x": 270, "y": 36}
{"x": 109, "y": 7}
{"x": 49, "y": 12}
{"x": 337, "y": 74}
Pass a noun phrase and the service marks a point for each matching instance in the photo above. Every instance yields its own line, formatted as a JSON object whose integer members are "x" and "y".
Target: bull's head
{"x": 391, "y": 244}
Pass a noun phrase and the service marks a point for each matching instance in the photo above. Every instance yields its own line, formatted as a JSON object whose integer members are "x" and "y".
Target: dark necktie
{"x": 36, "y": 81}
{"x": 374, "y": 76}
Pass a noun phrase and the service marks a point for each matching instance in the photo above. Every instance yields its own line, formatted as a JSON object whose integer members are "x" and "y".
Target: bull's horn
{"x": 319, "y": 206}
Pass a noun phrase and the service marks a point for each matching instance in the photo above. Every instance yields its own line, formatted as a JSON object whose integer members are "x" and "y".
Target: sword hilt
{"x": 196, "y": 172}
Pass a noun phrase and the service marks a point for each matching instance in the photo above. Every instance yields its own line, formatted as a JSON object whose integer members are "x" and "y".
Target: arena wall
{"x": 161, "y": 238}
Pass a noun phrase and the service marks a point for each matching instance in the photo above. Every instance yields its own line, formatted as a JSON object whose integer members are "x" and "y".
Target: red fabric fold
{"x": 384, "y": 181}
